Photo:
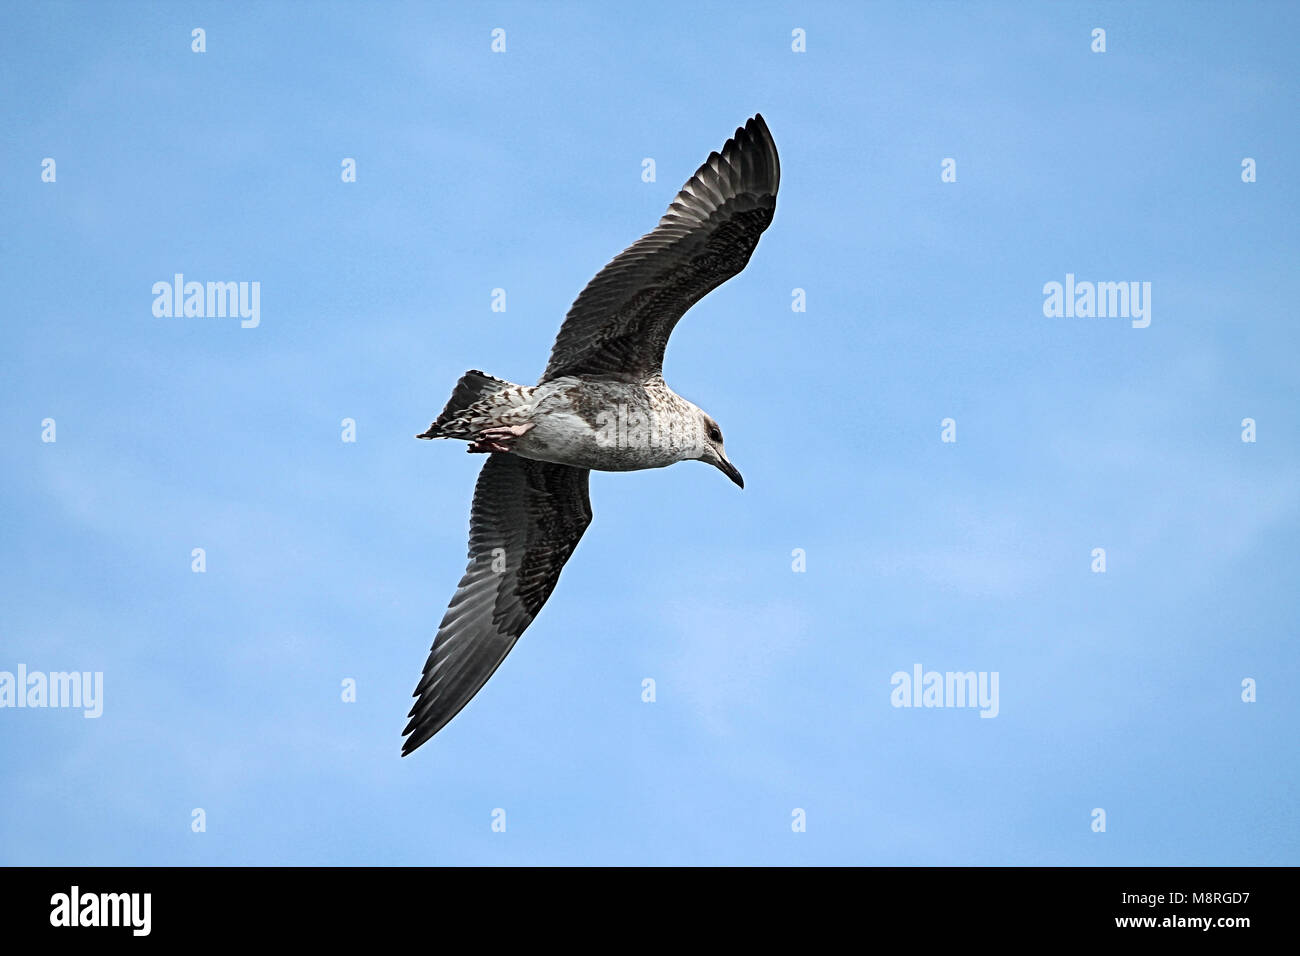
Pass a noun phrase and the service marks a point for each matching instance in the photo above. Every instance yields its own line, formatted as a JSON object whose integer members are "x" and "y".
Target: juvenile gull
{"x": 601, "y": 404}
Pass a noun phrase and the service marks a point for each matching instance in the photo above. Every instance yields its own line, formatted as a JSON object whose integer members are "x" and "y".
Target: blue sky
{"x": 522, "y": 170}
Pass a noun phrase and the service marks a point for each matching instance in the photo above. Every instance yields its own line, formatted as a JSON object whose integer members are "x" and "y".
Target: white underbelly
{"x": 617, "y": 440}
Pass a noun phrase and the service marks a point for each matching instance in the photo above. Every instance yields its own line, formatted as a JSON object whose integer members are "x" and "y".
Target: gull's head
{"x": 712, "y": 452}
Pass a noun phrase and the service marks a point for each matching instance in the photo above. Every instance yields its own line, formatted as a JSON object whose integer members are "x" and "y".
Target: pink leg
{"x": 501, "y": 438}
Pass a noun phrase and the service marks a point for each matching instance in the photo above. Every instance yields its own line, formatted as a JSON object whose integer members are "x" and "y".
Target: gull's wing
{"x": 620, "y": 323}
{"x": 526, "y": 520}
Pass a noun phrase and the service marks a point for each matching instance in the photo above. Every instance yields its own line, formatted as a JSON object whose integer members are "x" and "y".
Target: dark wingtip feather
{"x": 756, "y": 126}
{"x": 419, "y": 732}
{"x": 752, "y": 152}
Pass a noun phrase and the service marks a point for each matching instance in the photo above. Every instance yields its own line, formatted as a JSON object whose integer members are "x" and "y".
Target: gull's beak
{"x": 728, "y": 469}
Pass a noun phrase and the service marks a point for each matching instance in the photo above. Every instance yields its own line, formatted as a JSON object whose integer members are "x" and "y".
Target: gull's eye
{"x": 714, "y": 434}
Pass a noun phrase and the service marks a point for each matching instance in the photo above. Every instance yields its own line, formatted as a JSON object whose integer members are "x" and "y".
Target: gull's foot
{"x": 501, "y": 438}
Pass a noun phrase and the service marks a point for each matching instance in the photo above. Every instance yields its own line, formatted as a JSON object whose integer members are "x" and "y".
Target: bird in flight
{"x": 602, "y": 404}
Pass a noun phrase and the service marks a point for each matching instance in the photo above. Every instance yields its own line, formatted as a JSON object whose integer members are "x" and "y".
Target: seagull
{"x": 601, "y": 404}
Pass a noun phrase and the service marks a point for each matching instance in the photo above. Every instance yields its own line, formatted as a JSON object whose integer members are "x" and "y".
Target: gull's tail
{"x": 471, "y": 406}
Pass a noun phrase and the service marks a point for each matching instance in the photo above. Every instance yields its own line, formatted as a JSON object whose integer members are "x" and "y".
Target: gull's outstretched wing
{"x": 620, "y": 324}
{"x": 526, "y": 520}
